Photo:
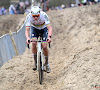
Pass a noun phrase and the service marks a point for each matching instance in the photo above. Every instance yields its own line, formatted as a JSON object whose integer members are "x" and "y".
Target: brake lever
{"x": 49, "y": 43}
{"x": 28, "y": 44}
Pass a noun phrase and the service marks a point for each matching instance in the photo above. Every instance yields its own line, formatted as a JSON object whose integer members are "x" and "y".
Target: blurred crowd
{"x": 45, "y": 5}
{"x": 24, "y": 7}
{"x": 88, "y": 2}
{"x": 18, "y": 8}
{"x": 82, "y": 3}
{"x": 3, "y": 11}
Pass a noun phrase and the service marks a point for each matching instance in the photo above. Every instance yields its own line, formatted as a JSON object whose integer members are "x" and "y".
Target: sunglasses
{"x": 36, "y": 15}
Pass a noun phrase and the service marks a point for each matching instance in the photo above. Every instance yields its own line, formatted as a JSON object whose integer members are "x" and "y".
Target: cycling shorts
{"x": 35, "y": 33}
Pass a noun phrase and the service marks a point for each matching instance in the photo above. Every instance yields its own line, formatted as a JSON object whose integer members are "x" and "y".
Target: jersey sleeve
{"x": 28, "y": 23}
{"x": 47, "y": 22}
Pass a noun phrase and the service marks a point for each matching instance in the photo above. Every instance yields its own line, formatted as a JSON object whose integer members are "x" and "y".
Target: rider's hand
{"x": 28, "y": 40}
{"x": 49, "y": 40}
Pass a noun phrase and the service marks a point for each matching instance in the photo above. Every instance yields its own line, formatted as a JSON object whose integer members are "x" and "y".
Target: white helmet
{"x": 35, "y": 10}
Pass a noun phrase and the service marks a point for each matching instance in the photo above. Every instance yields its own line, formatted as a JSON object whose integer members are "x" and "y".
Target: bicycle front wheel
{"x": 40, "y": 68}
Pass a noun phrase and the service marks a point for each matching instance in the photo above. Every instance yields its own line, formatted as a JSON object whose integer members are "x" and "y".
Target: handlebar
{"x": 49, "y": 43}
{"x": 28, "y": 44}
{"x": 35, "y": 41}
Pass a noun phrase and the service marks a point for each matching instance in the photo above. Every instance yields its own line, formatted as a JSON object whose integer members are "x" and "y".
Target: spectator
{"x": 22, "y": 10}
{"x": 79, "y": 4}
{"x": 63, "y": 6}
{"x": 72, "y": 5}
{"x": 45, "y": 6}
{"x": 27, "y": 11}
{"x": 91, "y": 2}
{"x": 27, "y": 4}
{"x": 12, "y": 9}
{"x": 96, "y": 1}
{"x": 18, "y": 8}
{"x": 84, "y": 2}
{"x": 22, "y": 7}
{"x": 3, "y": 11}
{"x": 0, "y": 11}
{"x": 42, "y": 4}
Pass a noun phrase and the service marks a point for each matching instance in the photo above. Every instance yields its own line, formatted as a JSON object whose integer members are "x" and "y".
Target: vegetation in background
{"x": 25, "y": 0}
{"x": 54, "y": 3}
{"x": 5, "y": 3}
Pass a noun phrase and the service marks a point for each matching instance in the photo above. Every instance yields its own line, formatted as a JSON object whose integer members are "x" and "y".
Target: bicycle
{"x": 40, "y": 61}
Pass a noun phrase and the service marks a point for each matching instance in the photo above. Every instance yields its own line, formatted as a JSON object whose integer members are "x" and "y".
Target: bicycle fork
{"x": 39, "y": 51}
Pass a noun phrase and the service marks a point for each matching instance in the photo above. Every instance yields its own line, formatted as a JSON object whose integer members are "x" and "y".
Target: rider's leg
{"x": 34, "y": 51}
{"x": 45, "y": 51}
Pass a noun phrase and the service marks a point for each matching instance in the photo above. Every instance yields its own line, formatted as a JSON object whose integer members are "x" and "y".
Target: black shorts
{"x": 35, "y": 33}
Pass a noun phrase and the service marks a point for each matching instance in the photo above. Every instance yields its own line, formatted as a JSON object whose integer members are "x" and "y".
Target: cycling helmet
{"x": 35, "y": 10}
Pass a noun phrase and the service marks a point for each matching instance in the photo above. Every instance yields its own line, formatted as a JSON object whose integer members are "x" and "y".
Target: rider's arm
{"x": 47, "y": 22}
{"x": 27, "y": 32}
{"x": 49, "y": 30}
{"x": 49, "y": 33}
{"x": 48, "y": 25}
{"x": 28, "y": 24}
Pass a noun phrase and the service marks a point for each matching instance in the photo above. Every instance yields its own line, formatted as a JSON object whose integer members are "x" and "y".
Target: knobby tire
{"x": 40, "y": 68}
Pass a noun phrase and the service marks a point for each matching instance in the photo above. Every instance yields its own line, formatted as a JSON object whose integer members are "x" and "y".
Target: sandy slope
{"x": 10, "y": 22}
{"x": 74, "y": 56}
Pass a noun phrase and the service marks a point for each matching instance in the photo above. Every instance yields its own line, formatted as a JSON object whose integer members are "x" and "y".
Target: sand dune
{"x": 74, "y": 55}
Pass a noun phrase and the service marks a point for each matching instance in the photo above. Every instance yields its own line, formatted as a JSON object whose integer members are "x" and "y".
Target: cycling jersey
{"x": 41, "y": 23}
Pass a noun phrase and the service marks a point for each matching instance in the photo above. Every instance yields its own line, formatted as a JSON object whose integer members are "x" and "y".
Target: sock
{"x": 35, "y": 58}
{"x": 46, "y": 59}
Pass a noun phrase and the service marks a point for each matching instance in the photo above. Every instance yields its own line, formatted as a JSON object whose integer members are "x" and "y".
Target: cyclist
{"x": 37, "y": 21}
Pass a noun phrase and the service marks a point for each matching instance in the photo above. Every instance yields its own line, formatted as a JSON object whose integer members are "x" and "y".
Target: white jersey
{"x": 41, "y": 23}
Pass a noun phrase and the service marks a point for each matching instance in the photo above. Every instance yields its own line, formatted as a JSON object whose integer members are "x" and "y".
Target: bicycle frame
{"x": 40, "y": 67}
{"x": 39, "y": 50}
{"x": 39, "y": 59}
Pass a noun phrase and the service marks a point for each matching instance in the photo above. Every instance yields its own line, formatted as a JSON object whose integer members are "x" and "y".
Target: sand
{"x": 74, "y": 56}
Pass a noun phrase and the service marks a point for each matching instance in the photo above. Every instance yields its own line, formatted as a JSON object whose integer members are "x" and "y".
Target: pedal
{"x": 34, "y": 68}
{"x": 44, "y": 68}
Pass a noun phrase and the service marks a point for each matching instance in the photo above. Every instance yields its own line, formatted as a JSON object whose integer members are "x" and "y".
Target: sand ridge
{"x": 74, "y": 55}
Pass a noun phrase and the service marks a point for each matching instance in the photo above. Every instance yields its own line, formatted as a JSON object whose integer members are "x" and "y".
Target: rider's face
{"x": 36, "y": 17}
